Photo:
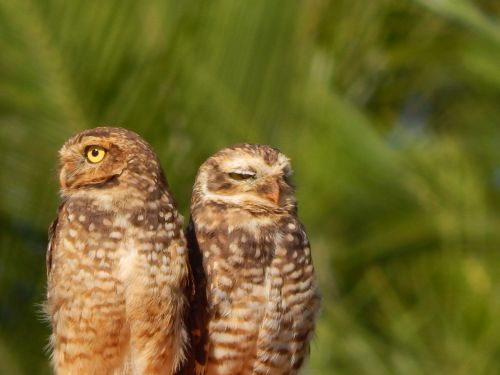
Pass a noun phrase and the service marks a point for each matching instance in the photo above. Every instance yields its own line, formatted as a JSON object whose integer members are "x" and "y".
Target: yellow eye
{"x": 95, "y": 154}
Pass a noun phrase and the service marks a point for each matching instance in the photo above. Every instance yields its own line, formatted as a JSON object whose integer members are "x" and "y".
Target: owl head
{"x": 103, "y": 158}
{"x": 247, "y": 175}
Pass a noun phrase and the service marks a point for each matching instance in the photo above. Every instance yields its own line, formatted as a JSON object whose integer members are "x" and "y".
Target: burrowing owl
{"x": 256, "y": 266}
{"x": 117, "y": 264}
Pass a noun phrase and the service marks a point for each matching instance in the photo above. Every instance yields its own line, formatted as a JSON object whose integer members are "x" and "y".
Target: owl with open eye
{"x": 256, "y": 298}
{"x": 117, "y": 264}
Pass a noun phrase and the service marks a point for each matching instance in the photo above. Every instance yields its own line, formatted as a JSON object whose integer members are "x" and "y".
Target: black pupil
{"x": 95, "y": 152}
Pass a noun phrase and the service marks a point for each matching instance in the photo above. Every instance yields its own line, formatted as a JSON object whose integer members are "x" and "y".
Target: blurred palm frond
{"x": 388, "y": 110}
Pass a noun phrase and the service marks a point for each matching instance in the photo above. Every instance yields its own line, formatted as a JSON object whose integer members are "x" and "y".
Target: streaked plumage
{"x": 117, "y": 264}
{"x": 256, "y": 272}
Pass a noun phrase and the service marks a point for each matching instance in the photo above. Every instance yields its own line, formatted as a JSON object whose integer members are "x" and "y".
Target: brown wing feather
{"x": 53, "y": 234}
{"x": 51, "y": 244}
{"x": 303, "y": 324}
{"x": 197, "y": 316}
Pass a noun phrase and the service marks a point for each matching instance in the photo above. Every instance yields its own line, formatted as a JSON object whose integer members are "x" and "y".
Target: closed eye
{"x": 238, "y": 176}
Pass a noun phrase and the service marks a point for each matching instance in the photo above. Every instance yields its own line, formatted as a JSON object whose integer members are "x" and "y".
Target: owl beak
{"x": 273, "y": 191}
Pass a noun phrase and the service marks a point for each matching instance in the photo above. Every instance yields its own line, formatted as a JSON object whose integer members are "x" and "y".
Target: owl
{"x": 117, "y": 262}
{"x": 256, "y": 298}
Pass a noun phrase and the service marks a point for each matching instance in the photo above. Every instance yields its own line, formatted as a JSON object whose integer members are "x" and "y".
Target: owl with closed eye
{"x": 256, "y": 297}
{"x": 117, "y": 264}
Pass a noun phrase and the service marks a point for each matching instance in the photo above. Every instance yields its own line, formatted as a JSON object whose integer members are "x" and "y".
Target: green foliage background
{"x": 389, "y": 109}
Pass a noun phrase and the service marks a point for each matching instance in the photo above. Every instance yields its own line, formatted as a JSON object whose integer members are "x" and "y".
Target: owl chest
{"x": 90, "y": 254}
{"x": 127, "y": 258}
{"x": 240, "y": 295}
